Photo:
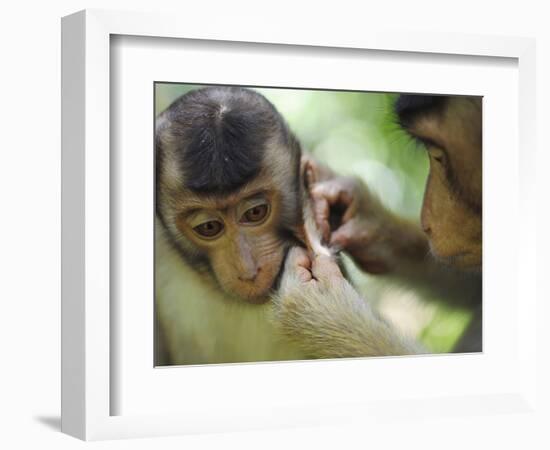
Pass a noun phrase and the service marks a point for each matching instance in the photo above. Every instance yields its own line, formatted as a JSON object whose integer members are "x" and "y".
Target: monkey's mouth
{"x": 257, "y": 296}
{"x": 464, "y": 260}
{"x": 265, "y": 296}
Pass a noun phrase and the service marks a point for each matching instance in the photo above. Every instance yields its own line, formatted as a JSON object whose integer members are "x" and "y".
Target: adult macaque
{"x": 319, "y": 311}
{"x": 228, "y": 200}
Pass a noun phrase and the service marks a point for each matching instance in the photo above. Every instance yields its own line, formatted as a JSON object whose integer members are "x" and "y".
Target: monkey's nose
{"x": 249, "y": 276}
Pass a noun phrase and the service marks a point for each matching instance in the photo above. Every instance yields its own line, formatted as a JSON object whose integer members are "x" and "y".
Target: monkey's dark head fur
{"x": 220, "y": 135}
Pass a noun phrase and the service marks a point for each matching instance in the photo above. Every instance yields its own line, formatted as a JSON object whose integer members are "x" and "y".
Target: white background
{"x": 29, "y": 327}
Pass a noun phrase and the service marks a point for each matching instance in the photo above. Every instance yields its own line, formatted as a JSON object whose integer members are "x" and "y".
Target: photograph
{"x": 303, "y": 224}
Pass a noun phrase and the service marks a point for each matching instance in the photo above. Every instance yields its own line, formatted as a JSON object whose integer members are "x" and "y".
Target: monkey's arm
{"x": 409, "y": 263}
{"x": 380, "y": 242}
{"x": 318, "y": 310}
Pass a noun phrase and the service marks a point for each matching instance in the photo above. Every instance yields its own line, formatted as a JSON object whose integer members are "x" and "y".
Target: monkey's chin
{"x": 252, "y": 295}
{"x": 252, "y": 298}
{"x": 259, "y": 300}
{"x": 258, "y": 296}
{"x": 467, "y": 261}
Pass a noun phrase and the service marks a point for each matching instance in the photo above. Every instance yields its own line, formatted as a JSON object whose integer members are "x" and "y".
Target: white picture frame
{"x": 87, "y": 328}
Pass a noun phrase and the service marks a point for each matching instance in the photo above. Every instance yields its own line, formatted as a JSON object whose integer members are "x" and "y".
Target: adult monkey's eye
{"x": 255, "y": 214}
{"x": 436, "y": 151}
{"x": 437, "y": 154}
{"x": 209, "y": 229}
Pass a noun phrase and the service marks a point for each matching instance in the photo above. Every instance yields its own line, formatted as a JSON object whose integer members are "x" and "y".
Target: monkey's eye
{"x": 209, "y": 229}
{"x": 255, "y": 214}
{"x": 437, "y": 154}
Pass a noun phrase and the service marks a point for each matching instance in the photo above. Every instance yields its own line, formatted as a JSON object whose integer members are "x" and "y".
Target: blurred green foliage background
{"x": 355, "y": 133}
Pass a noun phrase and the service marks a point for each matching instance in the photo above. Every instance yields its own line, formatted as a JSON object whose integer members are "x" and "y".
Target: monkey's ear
{"x": 312, "y": 171}
{"x": 308, "y": 171}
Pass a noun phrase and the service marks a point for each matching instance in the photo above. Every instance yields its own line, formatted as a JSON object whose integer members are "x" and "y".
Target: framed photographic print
{"x": 253, "y": 218}
{"x": 230, "y": 210}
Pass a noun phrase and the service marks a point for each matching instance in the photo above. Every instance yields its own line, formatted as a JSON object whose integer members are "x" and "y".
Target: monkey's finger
{"x": 327, "y": 196}
{"x": 325, "y": 268}
{"x": 350, "y": 212}
{"x": 304, "y": 275}
{"x": 298, "y": 257}
{"x": 321, "y": 211}
{"x": 329, "y": 190}
{"x": 335, "y": 192}
{"x": 341, "y": 238}
{"x": 299, "y": 263}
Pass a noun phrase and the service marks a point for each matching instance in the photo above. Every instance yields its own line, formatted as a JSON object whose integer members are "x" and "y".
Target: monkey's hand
{"x": 372, "y": 235}
{"x": 318, "y": 310}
